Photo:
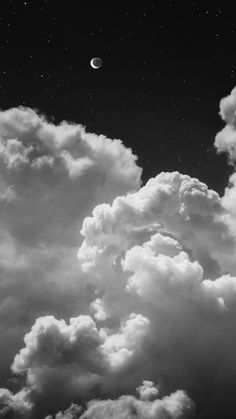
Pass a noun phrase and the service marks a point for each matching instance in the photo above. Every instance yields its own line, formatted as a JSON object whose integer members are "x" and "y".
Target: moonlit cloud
{"x": 116, "y": 300}
{"x": 14, "y": 405}
{"x": 184, "y": 207}
{"x": 177, "y": 405}
{"x": 225, "y": 140}
{"x": 147, "y": 390}
{"x": 51, "y": 178}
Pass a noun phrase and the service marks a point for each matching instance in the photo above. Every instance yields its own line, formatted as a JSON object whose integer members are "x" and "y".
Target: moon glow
{"x": 96, "y": 62}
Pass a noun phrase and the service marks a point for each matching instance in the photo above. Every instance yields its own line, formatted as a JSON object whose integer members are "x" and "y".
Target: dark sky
{"x": 166, "y": 65}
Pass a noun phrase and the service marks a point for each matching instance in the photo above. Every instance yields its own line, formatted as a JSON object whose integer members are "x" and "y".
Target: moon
{"x": 96, "y": 62}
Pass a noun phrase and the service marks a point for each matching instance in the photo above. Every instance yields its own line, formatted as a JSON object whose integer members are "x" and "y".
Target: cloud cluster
{"x": 16, "y": 406}
{"x": 225, "y": 141}
{"x": 56, "y": 173}
{"x": 176, "y": 406}
{"x": 146, "y": 294}
{"x": 157, "y": 317}
{"x": 51, "y": 176}
{"x": 175, "y": 203}
{"x": 77, "y": 357}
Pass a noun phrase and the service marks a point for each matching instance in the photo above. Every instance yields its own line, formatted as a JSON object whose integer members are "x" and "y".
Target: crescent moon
{"x": 92, "y": 64}
{"x": 96, "y": 62}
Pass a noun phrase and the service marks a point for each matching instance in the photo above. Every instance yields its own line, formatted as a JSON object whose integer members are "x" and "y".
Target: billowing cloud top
{"x": 225, "y": 140}
{"x": 134, "y": 316}
{"x": 51, "y": 176}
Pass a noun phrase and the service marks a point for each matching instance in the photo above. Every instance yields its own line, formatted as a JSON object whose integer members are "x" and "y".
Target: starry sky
{"x": 166, "y": 65}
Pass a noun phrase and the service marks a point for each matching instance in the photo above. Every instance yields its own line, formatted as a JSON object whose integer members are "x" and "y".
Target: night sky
{"x": 166, "y": 65}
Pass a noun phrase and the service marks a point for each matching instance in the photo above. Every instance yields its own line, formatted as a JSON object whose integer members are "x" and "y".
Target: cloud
{"x": 57, "y": 173}
{"x": 76, "y": 357}
{"x": 225, "y": 140}
{"x": 158, "y": 317}
{"x": 73, "y": 412}
{"x": 162, "y": 252}
{"x": 175, "y": 203}
{"x": 52, "y": 342}
{"x": 147, "y": 390}
{"x": 16, "y": 406}
{"x": 121, "y": 347}
{"x": 154, "y": 273}
{"x": 177, "y": 405}
{"x": 51, "y": 178}
{"x": 61, "y": 360}
{"x": 146, "y": 294}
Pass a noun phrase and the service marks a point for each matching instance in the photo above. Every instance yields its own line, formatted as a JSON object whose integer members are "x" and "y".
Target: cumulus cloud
{"x": 14, "y": 405}
{"x": 54, "y": 169}
{"x": 162, "y": 252}
{"x": 73, "y": 412}
{"x": 77, "y": 358}
{"x": 51, "y": 342}
{"x": 158, "y": 316}
{"x": 147, "y": 390}
{"x": 182, "y": 206}
{"x": 146, "y": 294}
{"x": 51, "y": 177}
{"x": 177, "y": 405}
{"x": 225, "y": 140}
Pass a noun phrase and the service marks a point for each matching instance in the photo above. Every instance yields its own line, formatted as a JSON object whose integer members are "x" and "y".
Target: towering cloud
{"x": 225, "y": 141}
{"x": 51, "y": 178}
{"x": 146, "y": 294}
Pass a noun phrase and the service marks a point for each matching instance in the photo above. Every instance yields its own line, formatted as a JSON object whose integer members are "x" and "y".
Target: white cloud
{"x": 183, "y": 206}
{"x": 228, "y": 107}
{"x": 51, "y": 178}
{"x": 121, "y": 347}
{"x": 16, "y": 406}
{"x": 151, "y": 297}
{"x": 147, "y": 391}
{"x": 165, "y": 278}
{"x": 154, "y": 273}
{"x": 77, "y": 356}
{"x": 73, "y": 412}
{"x": 158, "y": 316}
{"x": 76, "y": 167}
{"x": 52, "y": 345}
{"x": 225, "y": 140}
{"x": 176, "y": 406}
